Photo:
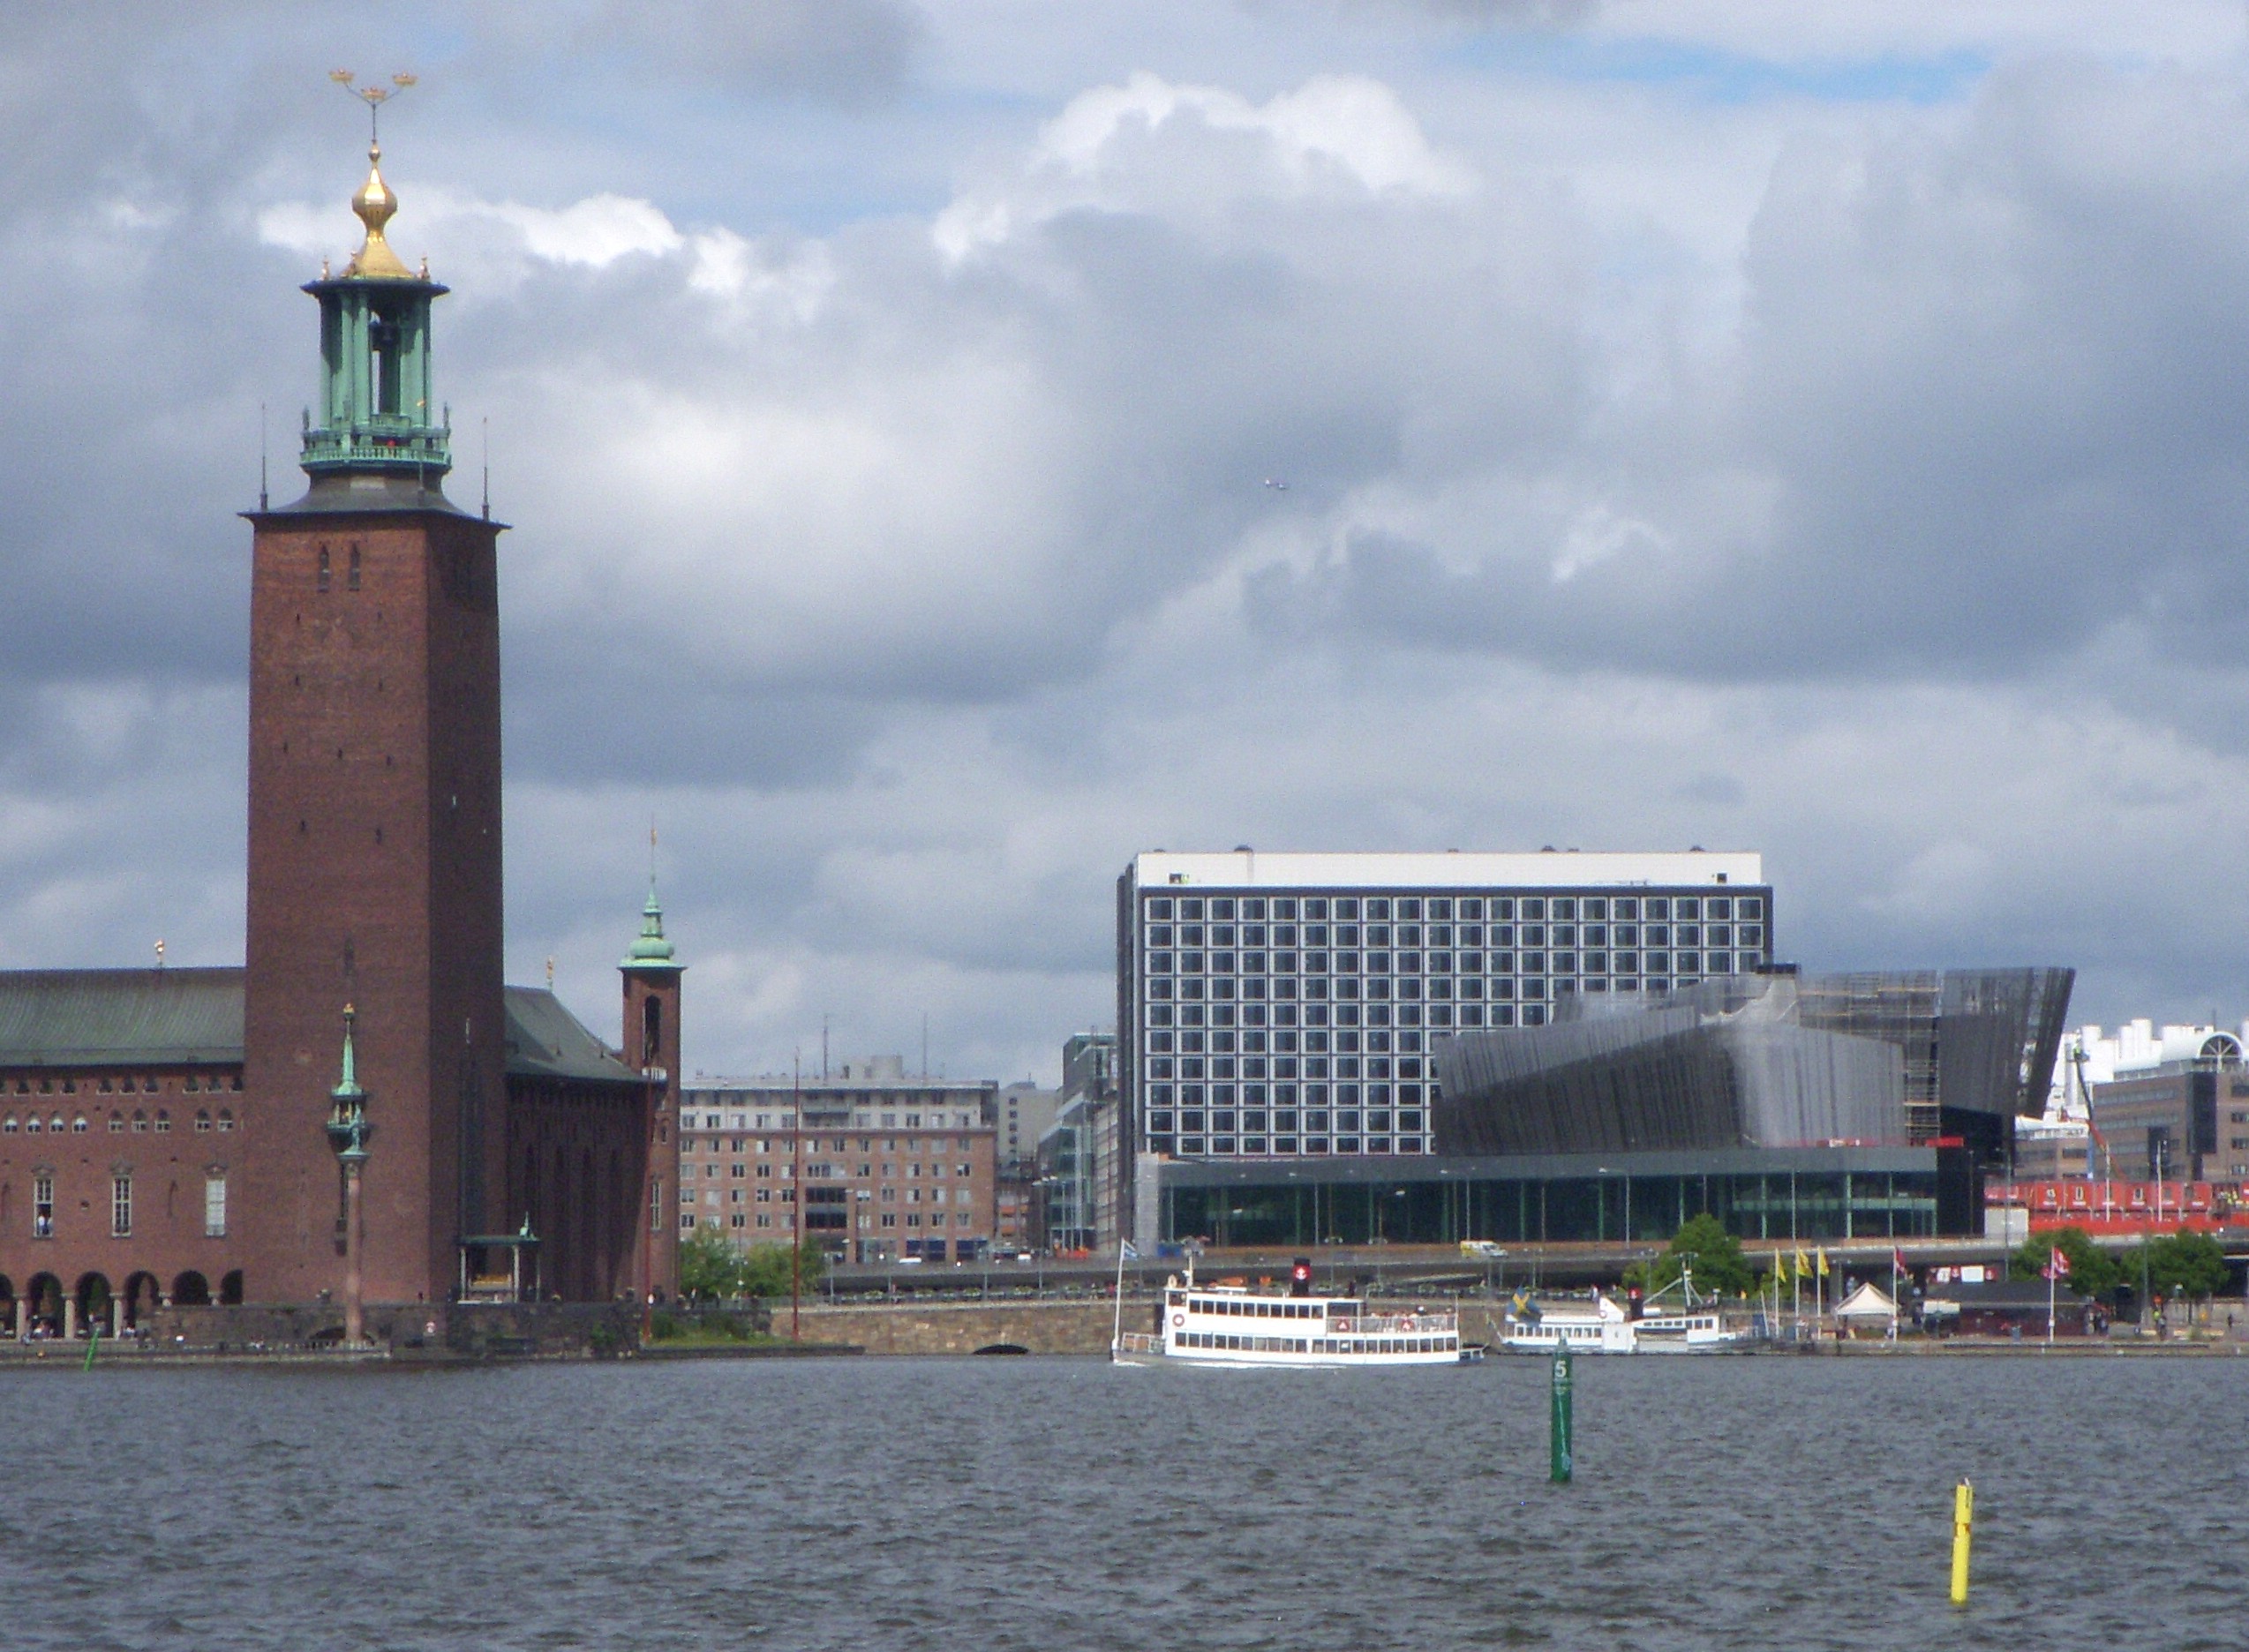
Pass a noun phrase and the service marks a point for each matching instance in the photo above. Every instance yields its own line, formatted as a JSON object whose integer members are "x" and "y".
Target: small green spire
{"x": 348, "y": 1129}
{"x": 651, "y": 950}
{"x": 348, "y": 1088}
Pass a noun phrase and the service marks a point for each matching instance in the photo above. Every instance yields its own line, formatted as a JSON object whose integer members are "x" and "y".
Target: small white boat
{"x": 1540, "y": 1328}
{"x": 1231, "y": 1325}
{"x": 1688, "y": 1330}
{"x": 1694, "y": 1324}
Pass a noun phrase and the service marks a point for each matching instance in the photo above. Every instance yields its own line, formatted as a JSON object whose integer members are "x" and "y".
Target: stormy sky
{"x": 1813, "y": 429}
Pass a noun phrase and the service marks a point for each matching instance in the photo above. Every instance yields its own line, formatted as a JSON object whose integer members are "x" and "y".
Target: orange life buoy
{"x": 1178, "y": 1320}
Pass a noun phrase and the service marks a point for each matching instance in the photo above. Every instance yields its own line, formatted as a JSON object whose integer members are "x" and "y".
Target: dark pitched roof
{"x": 545, "y": 1041}
{"x": 102, "y": 1018}
{"x": 123, "y": 1017}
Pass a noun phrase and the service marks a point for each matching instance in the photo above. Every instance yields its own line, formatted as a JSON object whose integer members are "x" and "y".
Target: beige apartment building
{"x": 878, "y": 1165}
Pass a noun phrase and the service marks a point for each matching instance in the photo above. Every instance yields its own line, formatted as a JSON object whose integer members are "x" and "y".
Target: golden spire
{"x": 375, "y": 204}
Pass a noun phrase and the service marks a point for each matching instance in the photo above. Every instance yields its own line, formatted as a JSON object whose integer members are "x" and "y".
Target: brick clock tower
{"x": 374, "y": 871}
{"x": 651, "y": 973}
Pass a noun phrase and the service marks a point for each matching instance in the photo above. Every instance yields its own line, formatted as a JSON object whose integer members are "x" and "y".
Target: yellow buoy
{"x": 1963, "y": 1525}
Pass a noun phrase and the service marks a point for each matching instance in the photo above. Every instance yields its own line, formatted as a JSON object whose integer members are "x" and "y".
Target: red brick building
{"x": 162, "y": 1131}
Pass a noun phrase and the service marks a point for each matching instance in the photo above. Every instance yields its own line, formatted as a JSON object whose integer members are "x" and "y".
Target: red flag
{"x": 2058, "y": 1267}
{"x": 1897, "y": 1260}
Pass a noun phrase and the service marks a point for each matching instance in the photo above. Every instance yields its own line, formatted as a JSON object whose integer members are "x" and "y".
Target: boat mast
{"x": 1116, "y": 1326}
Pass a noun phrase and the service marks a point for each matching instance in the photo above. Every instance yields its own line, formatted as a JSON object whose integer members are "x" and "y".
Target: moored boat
{"x": 1231, "y": 1325}
{"x": 1535, "y": 1327}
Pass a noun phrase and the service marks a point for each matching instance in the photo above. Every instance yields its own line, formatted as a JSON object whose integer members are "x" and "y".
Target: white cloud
{"x": 1334, "y": 128}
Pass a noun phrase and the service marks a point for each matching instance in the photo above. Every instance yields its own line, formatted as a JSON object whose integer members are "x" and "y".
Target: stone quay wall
{"x": 1062, "y": 1327}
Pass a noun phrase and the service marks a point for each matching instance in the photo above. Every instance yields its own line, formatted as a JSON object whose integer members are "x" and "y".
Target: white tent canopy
{"x": 1869, "y": 1301}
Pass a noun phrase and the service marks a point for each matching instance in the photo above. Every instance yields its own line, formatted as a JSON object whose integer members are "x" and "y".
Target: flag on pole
{"x": 2058, "y": 1263}
{"x": 1822, "y": 1254}
{"x": 1779, "y": 1268}
{"x": 1897, "y": 1261}
{"x": 1803, "y": 1263}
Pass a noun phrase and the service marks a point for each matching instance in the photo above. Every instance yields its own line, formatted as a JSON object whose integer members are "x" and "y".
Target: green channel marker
{"x": 1559, "y": 1463}
{"x": 93, "y": 1343}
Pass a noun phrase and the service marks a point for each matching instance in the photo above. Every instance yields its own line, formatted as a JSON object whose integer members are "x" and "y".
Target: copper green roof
{"x": 125, "y": 1017}
{"x": 108, "y": 1018}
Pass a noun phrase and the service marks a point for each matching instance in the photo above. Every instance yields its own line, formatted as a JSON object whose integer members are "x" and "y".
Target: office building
{"x": 888, "y": 1166}
{"x": 2183, "y": 1119}
{"x": 1287, "y": 1005}
{"x": 1080, "y": 1155}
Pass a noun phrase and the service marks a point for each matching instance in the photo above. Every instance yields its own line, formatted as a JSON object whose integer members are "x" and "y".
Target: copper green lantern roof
{"x": 651, "y": 950}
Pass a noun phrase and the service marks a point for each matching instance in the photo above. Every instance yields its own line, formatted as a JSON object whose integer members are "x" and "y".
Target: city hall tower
{"x": 374, "y": 831}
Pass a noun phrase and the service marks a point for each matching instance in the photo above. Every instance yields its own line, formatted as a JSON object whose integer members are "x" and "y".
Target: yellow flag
{"x": 1803, "y": 1263}
{"x": 1823, "y": 1261}
{"x": 1779, "y": 1268}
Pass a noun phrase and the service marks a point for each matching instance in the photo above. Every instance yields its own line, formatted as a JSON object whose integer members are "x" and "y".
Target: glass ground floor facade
{"x": 1797, "y": 1193}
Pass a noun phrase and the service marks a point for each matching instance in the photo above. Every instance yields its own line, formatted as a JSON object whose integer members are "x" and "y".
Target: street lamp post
{"x": 348, "y": 1134}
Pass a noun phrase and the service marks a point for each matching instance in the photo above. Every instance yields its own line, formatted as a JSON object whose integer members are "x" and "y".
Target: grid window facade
{"x": 851, "y": 1141}
{"x": 1278, "y": 1021}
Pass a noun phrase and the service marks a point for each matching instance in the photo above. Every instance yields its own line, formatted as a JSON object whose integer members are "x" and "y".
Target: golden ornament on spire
{"x": 375, "y": 204}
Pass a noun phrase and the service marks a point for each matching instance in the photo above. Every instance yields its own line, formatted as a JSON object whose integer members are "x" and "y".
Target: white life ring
{"x": 1178, "y": 1320}
{"x": 1409, "y": 1323}
{"x": 1343, "y": 1325}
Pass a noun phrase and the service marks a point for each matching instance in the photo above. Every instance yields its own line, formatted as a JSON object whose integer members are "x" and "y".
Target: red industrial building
{"x": 165, "y": 1135}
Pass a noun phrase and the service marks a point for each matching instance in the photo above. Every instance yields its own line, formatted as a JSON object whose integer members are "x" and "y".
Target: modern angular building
{"x": 1846, "y": 1106}
{"x": 1771, "y": 1060}
{"x": 1287, "y": 1005}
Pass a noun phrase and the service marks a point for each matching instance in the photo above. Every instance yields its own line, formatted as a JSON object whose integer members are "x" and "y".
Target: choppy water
{"x": 1065, "y": 1504}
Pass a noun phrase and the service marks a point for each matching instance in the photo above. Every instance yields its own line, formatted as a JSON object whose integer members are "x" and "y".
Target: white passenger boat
{"x": 1232, "y": 1325}
{"x": 1693, "y": 1324}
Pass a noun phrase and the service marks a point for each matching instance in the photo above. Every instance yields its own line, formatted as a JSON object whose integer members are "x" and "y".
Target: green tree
{"x": 765, "y": 1269}
{"x": 2187, "y": 1263}
{"x": 2093, "y": 1272}
{"x": 710, "y": 1268}
{"x": 713, "y": 1268}
{"x": 1716, "y": 1255}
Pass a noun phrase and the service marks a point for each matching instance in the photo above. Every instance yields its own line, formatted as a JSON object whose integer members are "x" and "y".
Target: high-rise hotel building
{"x": 1286, "y": 1005}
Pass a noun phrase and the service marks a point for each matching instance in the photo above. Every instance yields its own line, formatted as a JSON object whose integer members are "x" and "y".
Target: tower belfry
{"x": 375, "y": 870}
{"x": 378, "y": 418}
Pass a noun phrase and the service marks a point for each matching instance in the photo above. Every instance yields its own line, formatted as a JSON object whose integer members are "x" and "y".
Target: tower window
{"x": 351, "y": 571}
{"x": 322, "y": 581}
